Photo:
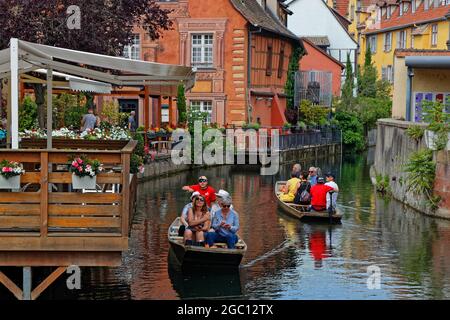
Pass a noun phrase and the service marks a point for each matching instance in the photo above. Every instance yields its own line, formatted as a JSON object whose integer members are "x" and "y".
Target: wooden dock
{"x": 48, "y": 224}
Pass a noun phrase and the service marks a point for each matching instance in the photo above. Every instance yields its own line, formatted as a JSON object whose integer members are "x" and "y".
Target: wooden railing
{"x": 47, "y": 215}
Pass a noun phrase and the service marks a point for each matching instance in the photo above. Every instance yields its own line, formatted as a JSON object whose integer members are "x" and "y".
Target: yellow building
{"x": 404, "y": 24}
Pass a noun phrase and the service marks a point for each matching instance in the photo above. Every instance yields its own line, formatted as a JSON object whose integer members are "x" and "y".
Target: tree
{"x": 367, "y": 80}
{"x": 347, "y": 98}
{"x": 289, "y": 89}
{"x": 181, "y": 105}
{"x": 106, "y": 26}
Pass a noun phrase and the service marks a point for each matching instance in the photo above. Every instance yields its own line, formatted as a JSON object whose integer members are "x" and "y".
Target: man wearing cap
{"x": 225, "y": 224}
{"x": 205, "y": 190}
{"x": 331, "y": 183}
{"x": 319, "y": 195}
{"x": 312, "y": 176}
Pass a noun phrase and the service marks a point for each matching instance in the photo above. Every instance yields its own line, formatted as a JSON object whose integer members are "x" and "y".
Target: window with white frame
{"x": 401, "y": 39}
{"x": 400, "y": 12}
{"x": 203, "y": 106}
{"x": 202, "y": 50}
{"x": 413, "y": 6}
{"x": 372, "y": 43}
{"x": 387, "y": 41}
{"x": 387, "y": 73}
{"x": 388, "y": 12}
{"x": 434, "y": 34}
{"x": 426, "y": 4}
{"x": 133, "y": 51}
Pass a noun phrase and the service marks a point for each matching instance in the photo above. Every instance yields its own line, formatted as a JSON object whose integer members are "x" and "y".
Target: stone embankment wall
{"x": 393, "y": 150}
{"x": 165, "y": 167}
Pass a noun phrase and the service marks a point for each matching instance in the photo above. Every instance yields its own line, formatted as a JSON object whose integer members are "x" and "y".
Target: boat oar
{"x": 330, "y": 208}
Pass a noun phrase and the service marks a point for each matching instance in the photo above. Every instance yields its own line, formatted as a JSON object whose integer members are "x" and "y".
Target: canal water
{"x": 286, "y": 259}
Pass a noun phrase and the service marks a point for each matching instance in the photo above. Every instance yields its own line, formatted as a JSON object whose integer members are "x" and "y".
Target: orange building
{"x": 241, "y": 50}
{"x": 316, "y": 59}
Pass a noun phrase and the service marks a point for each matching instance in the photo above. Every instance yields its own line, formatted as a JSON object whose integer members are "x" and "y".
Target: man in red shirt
{"x": 319, "y": 195}
{"x": 206, "y": 191}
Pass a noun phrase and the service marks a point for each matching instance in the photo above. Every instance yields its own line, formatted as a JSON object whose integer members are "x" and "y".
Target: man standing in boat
{"x": 205, "y": 190}
{"x": 226, "y": 224}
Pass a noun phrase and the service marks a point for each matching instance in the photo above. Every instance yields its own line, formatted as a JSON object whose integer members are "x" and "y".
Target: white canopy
{"x": 22, "y": 57}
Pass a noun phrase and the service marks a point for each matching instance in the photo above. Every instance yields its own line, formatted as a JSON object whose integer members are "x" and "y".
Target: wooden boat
{"x": 300, "y": 211}
{"x": 200, "y": 256}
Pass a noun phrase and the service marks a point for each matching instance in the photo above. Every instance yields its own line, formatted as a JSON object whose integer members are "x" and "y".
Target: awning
{"x": 428, "y": 62}
{"x": 79, "y": 84}
{"x": 127, "y": 72}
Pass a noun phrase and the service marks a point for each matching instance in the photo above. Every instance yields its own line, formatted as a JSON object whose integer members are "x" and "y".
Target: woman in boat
{"x": 303, "y": 195}
{"x": 290, "y": 189}
{"x": 184, "y": 214}
{"x": 199, "y": 222}
{"x": 225, "y": 225}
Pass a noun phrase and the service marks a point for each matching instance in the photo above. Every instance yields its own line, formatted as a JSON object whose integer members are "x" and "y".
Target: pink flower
{"x": 80, "y": 169}
{"x": 75, "y": 164}
{"x": 4, "y": 169}
{"x": 79, "y": 161}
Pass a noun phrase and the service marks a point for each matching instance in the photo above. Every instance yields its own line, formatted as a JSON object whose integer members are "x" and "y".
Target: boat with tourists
{"x": 303, "y": 212}
{"x": 219, "y": 256}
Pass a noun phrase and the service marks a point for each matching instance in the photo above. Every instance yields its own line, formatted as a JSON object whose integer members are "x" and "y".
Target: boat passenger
{"x": 334, "y": 194}
{"x": 184, "y": 214}
{"x": 319, "y": 195}
{"x": 225, "y": 225}
{"x": 197, "y": 224}
{"x": 221, "y": 194}
{"x": 303, "y": 195}
{"x": 205, "y": 190}
{"x": 297, "y": 168}
{"x": 312, "y": 176}
{"x": 290, "y": 189}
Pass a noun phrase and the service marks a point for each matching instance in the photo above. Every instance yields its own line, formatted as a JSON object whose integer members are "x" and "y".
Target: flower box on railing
{"x": 10, "y": 183}
{"x": 88, "y": 183}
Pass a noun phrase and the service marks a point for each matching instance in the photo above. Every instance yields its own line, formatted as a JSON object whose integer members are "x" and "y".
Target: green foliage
{"x": 352, "y": 130}
{"x": 312, "y": 114}
{"x": 382, "y": 184}
{"x": 123, "y": 119}
{"x": 62, "y": 103}
{"x": 181, "y": 105}
{"x": 415, "y": 132}
{"x": 195, "y": 114}
{"x": 347, "y": 98}
{"x": 438, "y": 120}
{"x": 287, "y": 126}
{"x": 136, "y": 161}
{"x": 367, "y": 78}
{"x": 254, "y": 126}
{"x": 421, "y": 171}
{"x": 110, "y": 112}
{"x": 371, "y": 109}
{"x": 289, "y": 88}
{"x": 139, "y": 150}
{"x": 73, "y": 108}
{"x": 28, "y": 115}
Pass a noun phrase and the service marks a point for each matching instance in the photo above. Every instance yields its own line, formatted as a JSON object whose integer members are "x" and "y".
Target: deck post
{"x": 14, "y": 93}
{"x": 27, "y": 283}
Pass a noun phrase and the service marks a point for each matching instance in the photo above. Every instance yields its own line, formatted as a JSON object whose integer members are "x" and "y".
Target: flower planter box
{"x": 62, "y": 143}
{"x": 88, "y": 183}
{"x": 11, "y": 183}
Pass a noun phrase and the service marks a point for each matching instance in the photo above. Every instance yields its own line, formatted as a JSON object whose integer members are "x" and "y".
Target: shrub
{"x": 415, "y": 132}
{"x": 312, "y": 114}
{"x": 352, "y": 130}
{"x": 28, "y": 115}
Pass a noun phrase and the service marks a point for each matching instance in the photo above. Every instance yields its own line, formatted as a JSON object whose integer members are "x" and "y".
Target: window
{"x": 412, "y": 40}
{"x": 390, "y": 74}
{"x": 372, "y": 43}
{"x": 387, "y": 41}
{"x": 405, "y": 7}
{"x": 434, "y": 34}
{"x": 387, "y": 73}
{"x": 426, "y": 5}
{"x": 400, "y": 12}
{"x": 352, "y": 13}
{"x": 269, "y": 60}
{"x": 133, "y": 51}
{"x": 203, "y": 106}
{"x": 401, "y": 39}
{"x": 281, "y": 62}
{"x": 379, "y": 14}
{"x": 202, "y": 50}
{"x": 264, "y": 4}
{"x": 413, "y": 6}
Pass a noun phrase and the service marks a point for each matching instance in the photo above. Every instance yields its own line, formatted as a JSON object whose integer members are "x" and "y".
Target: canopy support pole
{"x": 14, "y": 63}
{"x": 49, "y": 108}
{"x": 146, "y": 107}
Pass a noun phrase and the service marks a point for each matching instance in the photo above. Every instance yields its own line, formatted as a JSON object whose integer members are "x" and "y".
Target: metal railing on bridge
{"x": 315, "y": 137}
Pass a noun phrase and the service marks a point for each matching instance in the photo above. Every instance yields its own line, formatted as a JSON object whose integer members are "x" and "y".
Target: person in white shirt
{"x": 330, "y": 182}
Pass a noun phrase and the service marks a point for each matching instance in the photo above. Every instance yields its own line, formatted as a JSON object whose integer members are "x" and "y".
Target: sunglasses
{"x": 202, "y": 180}
{"x": 200, "y": 199}
{"x": 226, "y": 206}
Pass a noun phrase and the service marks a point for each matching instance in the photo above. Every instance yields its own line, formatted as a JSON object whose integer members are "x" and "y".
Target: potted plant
{"x": 84, "y": 172}
{"x": 151, "y": 134}
{"x": 287, "y": 127}
{"x": 10, "y": 174}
